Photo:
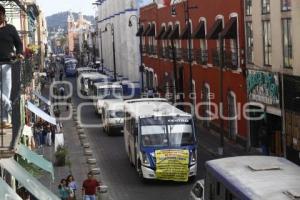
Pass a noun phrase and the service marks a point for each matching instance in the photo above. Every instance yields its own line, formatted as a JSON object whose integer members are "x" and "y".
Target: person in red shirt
{"x": 89, "y": 187}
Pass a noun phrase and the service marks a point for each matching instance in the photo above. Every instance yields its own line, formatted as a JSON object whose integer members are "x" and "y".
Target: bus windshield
{"x": 167, "y": 131}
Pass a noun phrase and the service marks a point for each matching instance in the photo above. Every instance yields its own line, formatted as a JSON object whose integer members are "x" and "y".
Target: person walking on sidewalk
{"x": 63, "y": 190}
{"x": 71, "y": 183}
{"x": 9, "y": 40}
{"x": 89, "y": 187}
{"x": 61, "y": 74}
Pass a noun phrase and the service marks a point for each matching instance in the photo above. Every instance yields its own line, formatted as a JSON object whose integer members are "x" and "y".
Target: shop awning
{"x": 213, "y": 33}
{"x": 151, "y": 32}
{"x": 230, "y": 30}
{"x": 40, "y": 113}
{"x": 160, "y": 33}
{"x": 45, "y": 100}
{"x": 30, "y": 183}
{"x": 145, "y": 32}
{"x": 35, "y": 158}
{"x": 6, "y": 192}
{"x": 140, "y": 31}
{"x": 186, "y": 32}
{"x": 199, "y": 31}
{"x": 174, "y": 33}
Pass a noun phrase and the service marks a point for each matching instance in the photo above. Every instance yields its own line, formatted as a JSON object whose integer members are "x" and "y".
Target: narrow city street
{"x": 116, "y": 171}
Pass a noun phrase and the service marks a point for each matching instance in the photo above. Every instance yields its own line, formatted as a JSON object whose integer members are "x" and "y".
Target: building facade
{"x": 118, "y": 43}
{"x": 77, "y": 32}
{"x": 273, "y": 71}
{"x": 166, "y": 60}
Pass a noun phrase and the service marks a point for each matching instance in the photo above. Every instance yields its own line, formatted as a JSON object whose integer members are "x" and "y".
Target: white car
{"x": 197, "y": 192}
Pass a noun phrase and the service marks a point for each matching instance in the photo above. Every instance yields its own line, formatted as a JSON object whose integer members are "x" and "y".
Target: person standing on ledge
{"x": 9, "y": 40}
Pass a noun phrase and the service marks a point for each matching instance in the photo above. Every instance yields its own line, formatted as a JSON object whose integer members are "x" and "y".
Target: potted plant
{"x": 60, "y": 156}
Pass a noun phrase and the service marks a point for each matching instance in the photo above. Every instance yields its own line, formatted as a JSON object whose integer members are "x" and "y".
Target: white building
{"x": 115, "y": 14}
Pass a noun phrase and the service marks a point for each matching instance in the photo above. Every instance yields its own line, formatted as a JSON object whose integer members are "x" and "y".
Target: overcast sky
{"x": 85, "y": 6}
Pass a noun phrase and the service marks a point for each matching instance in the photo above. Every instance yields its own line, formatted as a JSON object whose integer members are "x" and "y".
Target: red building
{"x": 165, "y": 51}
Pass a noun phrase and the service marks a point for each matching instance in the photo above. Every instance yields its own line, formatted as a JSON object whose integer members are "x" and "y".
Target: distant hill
{"x": 60, "y": 20}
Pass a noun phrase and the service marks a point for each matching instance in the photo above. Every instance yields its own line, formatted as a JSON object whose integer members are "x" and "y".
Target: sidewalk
{"x": 76, "y": 158}
{"x": 210, "y": 141}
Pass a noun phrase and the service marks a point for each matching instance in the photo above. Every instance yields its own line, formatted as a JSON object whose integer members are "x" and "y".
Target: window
{"x": 285, "y": 5}
{"x": 265, "y": 6}
{"x": 248, "y": 7}
{"x": 218, "y": 189}
{"x": 287, "y": 43}
{"x": 249, "y": 42}
{"x": 267, "y": 42}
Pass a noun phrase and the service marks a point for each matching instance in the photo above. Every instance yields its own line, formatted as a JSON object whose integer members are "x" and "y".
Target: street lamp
{"x": 141, "y": 68}
{"x": 113, "y": 44}
{"x": 187, "y": 9}
{"x": 101, "y": 49}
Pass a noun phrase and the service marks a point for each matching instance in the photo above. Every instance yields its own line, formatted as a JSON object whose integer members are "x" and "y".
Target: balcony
{"x": 200, "y": 56}
{"x": 230, "y": 58}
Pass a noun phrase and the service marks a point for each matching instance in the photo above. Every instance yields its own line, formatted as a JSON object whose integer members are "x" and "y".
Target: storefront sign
{"x": 172, "y": 165}
{"x": 263, "y": 87}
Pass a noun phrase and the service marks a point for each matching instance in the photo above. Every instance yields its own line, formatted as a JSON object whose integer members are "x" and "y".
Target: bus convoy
{"x": 160, "y": 141}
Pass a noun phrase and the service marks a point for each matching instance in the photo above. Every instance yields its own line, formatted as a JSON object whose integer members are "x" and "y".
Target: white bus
{"x": 249, "y": 178}
{"x": 156, "y": 134}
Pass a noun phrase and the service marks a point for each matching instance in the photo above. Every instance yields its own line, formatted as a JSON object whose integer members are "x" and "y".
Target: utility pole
{"x": 221, "y": 62}
{"x": 141, "y": 67}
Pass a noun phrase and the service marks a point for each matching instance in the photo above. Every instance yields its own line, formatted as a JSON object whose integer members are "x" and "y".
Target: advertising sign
{"x": 172, "y": 165}
{"x": 263, "y": 87}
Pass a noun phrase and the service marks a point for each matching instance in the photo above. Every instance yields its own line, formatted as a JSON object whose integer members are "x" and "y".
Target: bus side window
{"x": 218, "y": 188}
{"x": 229, "y": 195}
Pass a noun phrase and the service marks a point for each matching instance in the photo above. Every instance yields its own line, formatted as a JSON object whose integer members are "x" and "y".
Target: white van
{"x": 113, "y": 116}
{"x": 107, "y": 92}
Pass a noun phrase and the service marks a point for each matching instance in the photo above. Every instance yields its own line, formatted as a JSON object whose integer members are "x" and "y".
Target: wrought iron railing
{"x": 201, "y": 56}
{"x": 230, "y": 58}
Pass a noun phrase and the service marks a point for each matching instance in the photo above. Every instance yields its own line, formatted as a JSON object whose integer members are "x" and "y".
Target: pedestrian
{"x": 69, "y": 100}
{"x": 62, "y": 91}
{"x": 52, "y": 75}
{"x": 89, "y": 187}
{"x": 9, "y": 40}
{"x": 71, "y": 183}
{"x": 264, "y": 139}
{"x": 61, "y": 74}
{"x": 63, "y": 190}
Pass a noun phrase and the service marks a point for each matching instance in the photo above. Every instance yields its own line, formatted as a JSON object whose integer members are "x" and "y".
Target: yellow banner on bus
{"x": 172, "y": 165}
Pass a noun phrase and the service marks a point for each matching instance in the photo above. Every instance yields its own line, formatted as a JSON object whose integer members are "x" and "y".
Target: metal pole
{"x": 141, "y": 54}
{"x": 114, "y": 56}
{"x": 283, "y": 116}
{"x": 1, "y": 102}
{"x": 175, "y": 70}
{"x": 221, "y": 60}
{"x": 102, "y": 61}
{"x": 187, "y": 19}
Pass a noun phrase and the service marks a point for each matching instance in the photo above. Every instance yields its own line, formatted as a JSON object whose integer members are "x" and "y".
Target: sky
{"x": 85, "y": 6}
{"x": 54, "y": 6}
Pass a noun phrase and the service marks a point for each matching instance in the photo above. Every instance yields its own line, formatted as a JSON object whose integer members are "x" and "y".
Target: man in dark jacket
{"x": 9, "y": 40}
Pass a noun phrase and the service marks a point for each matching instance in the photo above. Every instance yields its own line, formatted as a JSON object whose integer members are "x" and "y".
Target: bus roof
{"x": 147, "y": 100}
{"x": 257, "y": 177}
{"x": 144, "y": 109}
{"x": 93, "y": 75}
{"x": 106, "y": 85}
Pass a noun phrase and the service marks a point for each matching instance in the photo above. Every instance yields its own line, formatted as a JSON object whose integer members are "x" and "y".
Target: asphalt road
{"x": 116, "y": 171}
